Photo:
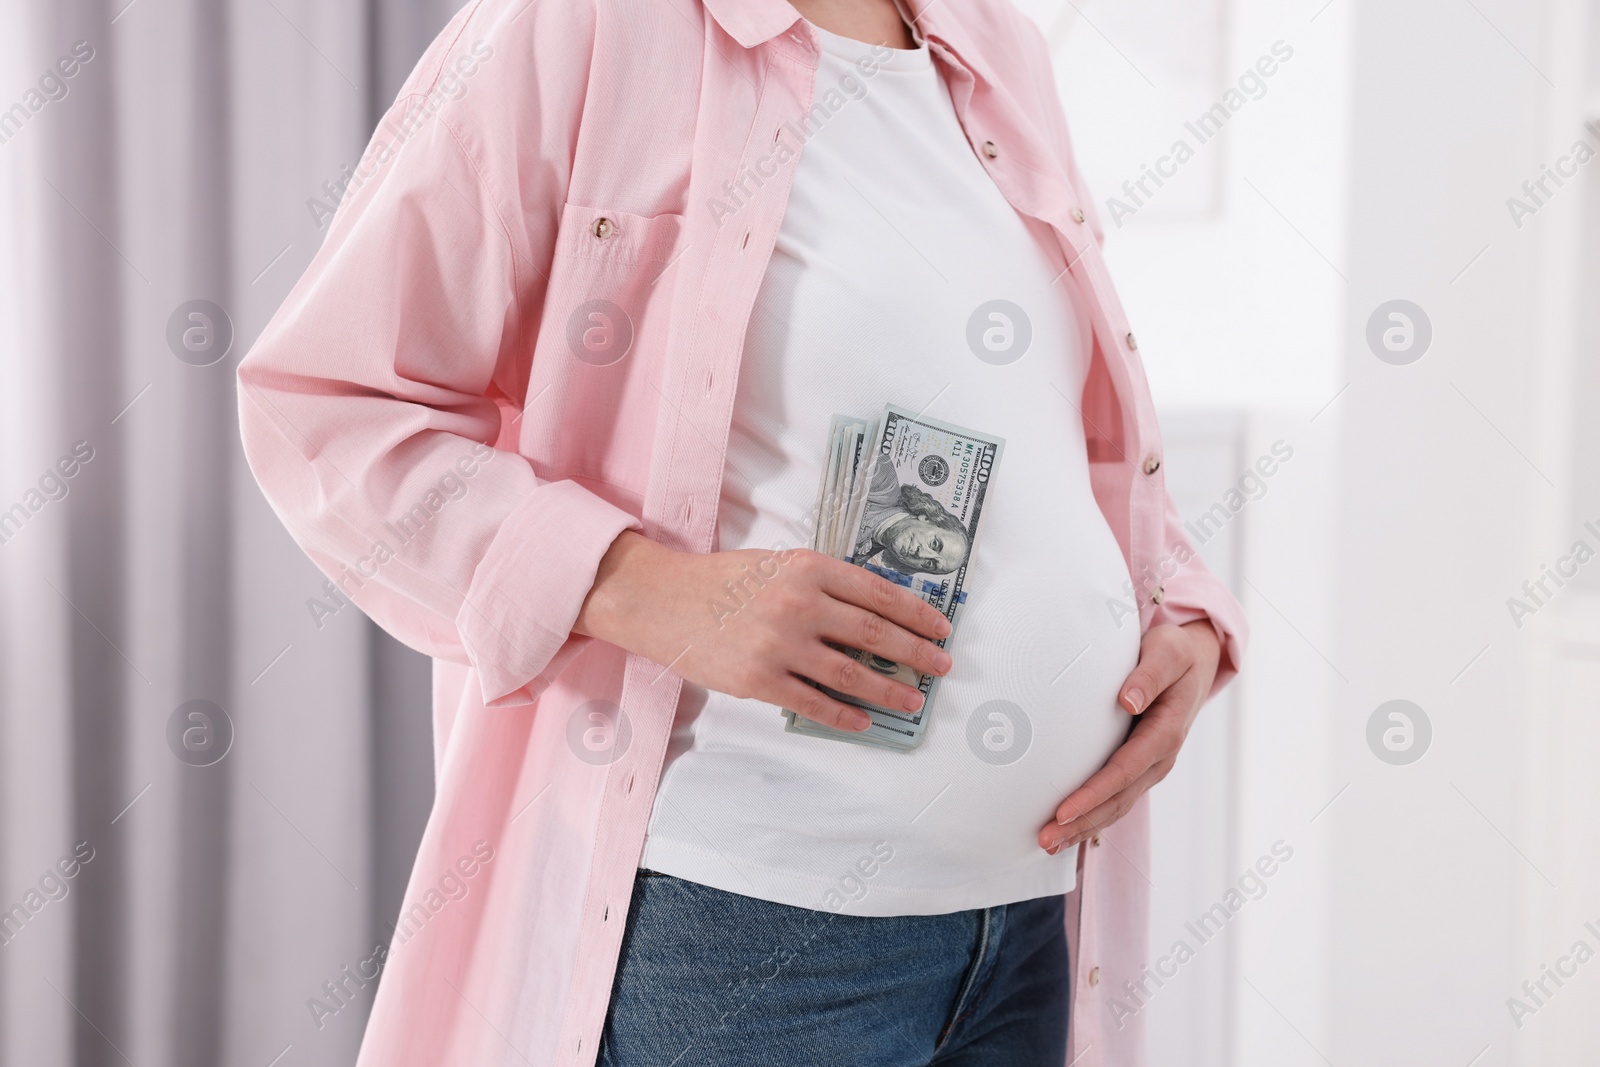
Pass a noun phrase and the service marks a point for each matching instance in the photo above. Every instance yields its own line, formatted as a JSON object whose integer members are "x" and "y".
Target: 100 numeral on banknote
{"x": 902, "y": 496}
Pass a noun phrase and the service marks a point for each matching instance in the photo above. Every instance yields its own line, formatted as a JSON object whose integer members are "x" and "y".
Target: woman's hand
{"x": 1173, "y": 678}
{"x": 752, "y": 623}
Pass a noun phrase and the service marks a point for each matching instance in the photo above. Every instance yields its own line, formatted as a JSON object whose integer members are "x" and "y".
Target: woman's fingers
{"x": 1054, "y": 837}
{"x": 1152, "y": 740}
{"x": 779, "y": 632}
{"x": 856, "y": 627}
{"x": 869, "y": 612}
{"x": 1163, "y": 691}
{"x": 876, "y": 594}
{"x": 847, "y": 675}
{"x": 1119, "y": 772}
{"x": 812, "y": 703}
{"x": 1163, "y": 659}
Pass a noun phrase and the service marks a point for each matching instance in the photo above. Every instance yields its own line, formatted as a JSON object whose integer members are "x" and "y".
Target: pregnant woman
{"x": 645, "y": 251}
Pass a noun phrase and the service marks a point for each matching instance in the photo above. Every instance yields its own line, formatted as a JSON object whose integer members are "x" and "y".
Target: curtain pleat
{"x": 243, "y": 865}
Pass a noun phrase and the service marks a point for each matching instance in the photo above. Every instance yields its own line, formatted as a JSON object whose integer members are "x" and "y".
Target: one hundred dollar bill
{"x": 902, "y": 496}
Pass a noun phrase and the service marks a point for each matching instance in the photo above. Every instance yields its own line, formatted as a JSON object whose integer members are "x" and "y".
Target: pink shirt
{"x": 551, "y": 249}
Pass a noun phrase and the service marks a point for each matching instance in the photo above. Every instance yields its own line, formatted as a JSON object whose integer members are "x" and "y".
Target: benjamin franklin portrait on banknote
{"x": 908, "y": 530}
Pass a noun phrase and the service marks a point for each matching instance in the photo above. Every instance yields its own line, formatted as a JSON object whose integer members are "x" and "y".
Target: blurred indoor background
{"x": 1359, "y": 292}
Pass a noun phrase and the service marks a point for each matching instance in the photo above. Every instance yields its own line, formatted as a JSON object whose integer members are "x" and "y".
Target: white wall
{"x": 1459, "y": 476}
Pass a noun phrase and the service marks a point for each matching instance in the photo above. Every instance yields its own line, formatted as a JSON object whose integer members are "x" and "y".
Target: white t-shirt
{"x": 894, "y": 241}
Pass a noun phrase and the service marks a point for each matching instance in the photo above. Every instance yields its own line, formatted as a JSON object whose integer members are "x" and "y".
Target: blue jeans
{"x": 715, "y": 979}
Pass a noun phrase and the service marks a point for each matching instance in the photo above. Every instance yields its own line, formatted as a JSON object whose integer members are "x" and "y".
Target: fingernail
{"x": 1135, "y": 700}
{"x": 942, "y": 661}
{"x": 913, "y": 701}
{"x": 944, "y": 627}
{"x": 861, "y": 721}
{"x": 1053, "y": 849}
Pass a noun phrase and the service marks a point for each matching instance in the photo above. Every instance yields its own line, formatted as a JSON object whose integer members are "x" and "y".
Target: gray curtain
{"x": 210, "y": 795}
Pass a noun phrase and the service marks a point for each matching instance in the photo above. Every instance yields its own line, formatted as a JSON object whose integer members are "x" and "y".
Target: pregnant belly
{"x": 1027, "y": 716}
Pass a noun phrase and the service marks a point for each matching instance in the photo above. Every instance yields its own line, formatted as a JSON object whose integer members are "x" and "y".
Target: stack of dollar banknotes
{"x": 901, "y": 495}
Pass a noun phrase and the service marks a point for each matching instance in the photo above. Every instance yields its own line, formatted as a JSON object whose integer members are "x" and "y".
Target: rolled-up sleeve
{"x": 1195, "y": 593}
{"x": 377, "y": 407}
